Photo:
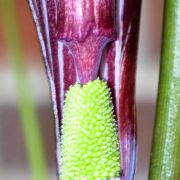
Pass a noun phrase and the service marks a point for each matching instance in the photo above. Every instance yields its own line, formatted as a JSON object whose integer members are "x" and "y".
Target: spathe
{"x": 118, "y": 67}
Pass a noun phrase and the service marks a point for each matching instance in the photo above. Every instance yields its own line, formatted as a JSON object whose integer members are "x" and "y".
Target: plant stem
{"x": 29, "y": 119}
{"x": 165, "y": 160}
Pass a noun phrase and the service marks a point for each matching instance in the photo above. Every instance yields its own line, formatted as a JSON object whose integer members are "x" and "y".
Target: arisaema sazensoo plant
{"x": 80, "y": 41}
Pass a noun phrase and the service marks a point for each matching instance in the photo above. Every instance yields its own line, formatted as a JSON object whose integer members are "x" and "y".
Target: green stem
{"x": 165, "y": 160}
{"x": 29, "y": 119}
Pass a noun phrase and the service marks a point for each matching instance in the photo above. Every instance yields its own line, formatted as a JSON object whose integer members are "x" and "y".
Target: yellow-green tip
{"x": 89, "y": 141}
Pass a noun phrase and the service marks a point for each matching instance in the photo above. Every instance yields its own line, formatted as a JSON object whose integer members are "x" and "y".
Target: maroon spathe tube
{"x": 86, "y": 26}
{"x": 73, "y": 34}
{"x": 78, "y": 19}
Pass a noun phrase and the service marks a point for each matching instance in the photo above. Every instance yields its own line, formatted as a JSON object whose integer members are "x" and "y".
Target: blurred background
{"x": 13, "y": 156}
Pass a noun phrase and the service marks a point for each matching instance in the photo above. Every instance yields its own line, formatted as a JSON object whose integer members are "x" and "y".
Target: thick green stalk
{"x": 29, "y": 119}
{"x": 165, "y": 160}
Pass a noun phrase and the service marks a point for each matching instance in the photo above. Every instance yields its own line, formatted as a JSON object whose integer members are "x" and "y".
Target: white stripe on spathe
{"x": 45, "y": 14}
{"x": 105, "y": 72}
{"x": 61, "y": 71}
{"x": 117, "y": 73}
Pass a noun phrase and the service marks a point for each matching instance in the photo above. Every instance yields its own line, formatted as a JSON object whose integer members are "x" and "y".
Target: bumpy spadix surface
{"x": 89, "y": 141}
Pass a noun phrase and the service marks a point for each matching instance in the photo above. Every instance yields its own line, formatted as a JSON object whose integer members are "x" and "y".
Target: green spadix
{"x": 89, "y": 140}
